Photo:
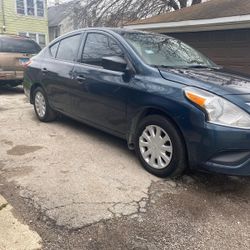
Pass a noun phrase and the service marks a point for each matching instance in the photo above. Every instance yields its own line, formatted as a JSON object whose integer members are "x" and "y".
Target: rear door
{"x": 57, "y": 72}
{"x": 100, "y": 95}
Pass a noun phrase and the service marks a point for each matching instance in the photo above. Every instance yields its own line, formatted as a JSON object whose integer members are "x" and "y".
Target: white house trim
{"x": 231, "y": 22}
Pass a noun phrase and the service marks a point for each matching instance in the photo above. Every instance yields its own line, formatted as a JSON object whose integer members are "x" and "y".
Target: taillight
{"x": 25, "y": 65}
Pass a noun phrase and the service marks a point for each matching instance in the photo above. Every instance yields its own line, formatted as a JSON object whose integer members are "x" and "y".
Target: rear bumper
{"x": 11, "y": 75}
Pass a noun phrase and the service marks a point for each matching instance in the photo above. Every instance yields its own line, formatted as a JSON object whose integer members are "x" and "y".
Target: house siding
{"x": 65, "y": 26}
{"x": 15, "y": 23}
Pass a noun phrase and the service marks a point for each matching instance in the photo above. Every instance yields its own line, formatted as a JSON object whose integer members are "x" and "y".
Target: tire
{"x": 41, "y": 106}
{"x": 165, "y": 156}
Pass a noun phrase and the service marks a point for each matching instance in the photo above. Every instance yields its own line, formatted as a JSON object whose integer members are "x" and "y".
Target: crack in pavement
{"x": 105, "y": 210}
{"x": 117, "y": 209}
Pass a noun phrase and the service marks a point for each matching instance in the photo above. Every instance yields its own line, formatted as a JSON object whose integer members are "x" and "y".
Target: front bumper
{"x": 231, "y": 163}
{"x": 221, "y": 149}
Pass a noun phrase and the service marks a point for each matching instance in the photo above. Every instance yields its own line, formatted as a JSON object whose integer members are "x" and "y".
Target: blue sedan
{"x": 173, "y": 106}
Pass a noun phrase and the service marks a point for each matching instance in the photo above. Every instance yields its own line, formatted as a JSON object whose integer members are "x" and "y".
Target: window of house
{"x": 42, "y": 40}
{"x": 32, "y": 36}
{"x": 30, "y": 7}
{"x": 57, "y": 32}
{"x": 20, "y": 7}
{"x": 40, "y": 7}
{"x": 98, "y": 46}
{"x": 68, "y": 48}
{"x": 24, "y": 34}
{"x": 37, "y": 37}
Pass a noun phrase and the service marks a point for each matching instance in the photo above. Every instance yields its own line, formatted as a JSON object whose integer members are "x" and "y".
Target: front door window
{"x": 98, "y": 46}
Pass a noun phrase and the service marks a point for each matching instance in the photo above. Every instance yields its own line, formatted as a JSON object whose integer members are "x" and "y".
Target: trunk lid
{"x": 13, "y": 61}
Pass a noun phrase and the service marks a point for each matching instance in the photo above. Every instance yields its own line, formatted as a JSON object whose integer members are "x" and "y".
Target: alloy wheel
{"x": 40, "y": 104}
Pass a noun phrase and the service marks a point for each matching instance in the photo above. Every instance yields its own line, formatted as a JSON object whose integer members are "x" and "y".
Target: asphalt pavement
{"x": 78, "y": 188}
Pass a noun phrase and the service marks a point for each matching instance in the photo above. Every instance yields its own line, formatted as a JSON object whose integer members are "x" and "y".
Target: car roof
{"x": 14, "y": 37}
{"x": 118, "y": 31}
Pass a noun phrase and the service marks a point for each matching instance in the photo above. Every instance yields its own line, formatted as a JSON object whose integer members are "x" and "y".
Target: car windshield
{"x": 18, "y": 45}
{"x": 163, "y": 51}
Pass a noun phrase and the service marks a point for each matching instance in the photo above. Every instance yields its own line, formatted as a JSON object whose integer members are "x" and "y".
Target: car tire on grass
{"x": 41, "y": 106}
{"x": 160, "y": 147}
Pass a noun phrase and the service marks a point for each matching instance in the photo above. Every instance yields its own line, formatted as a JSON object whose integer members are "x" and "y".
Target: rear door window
{"x": 53, "y": 49}
{"x": 18, "y": 45}
{"x": 68, "y": 48}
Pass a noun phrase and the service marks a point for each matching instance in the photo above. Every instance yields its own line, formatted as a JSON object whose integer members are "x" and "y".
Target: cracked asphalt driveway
{"x": 80, "y": 188}
{"x": 74, "y": 174}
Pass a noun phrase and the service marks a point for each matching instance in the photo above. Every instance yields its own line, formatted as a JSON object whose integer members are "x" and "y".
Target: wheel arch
{"x": 32, "y": 89}
{"x": 144, "y": 113}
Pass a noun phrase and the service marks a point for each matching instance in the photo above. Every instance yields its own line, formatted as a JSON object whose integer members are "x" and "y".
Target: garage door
{"x": 229, "y": 48}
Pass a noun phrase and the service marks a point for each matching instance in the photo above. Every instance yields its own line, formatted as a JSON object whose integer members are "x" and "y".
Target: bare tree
{"x": 87, "y": 13}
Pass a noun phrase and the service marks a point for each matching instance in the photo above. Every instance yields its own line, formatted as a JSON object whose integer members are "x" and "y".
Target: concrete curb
{"x": 13, "y": 234}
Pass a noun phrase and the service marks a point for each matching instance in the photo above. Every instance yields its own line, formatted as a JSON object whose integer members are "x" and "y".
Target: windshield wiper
{"x": 202, "y": 66}
{"x": 161, "y": 66}
{"x": 195, "y": 66}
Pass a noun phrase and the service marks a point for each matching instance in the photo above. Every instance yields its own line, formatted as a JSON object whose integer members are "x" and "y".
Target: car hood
{"x": 219, "y": 81}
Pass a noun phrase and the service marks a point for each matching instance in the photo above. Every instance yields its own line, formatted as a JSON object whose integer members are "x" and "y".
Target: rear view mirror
{"x": 115, "y": 63}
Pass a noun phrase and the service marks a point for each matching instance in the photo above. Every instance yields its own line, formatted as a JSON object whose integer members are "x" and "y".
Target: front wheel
{"x": 43, "y": 111}
{"x": 160, "y": 147}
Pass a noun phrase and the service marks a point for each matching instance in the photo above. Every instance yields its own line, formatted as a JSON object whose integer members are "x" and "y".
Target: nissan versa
{"x": 173, "y": 105}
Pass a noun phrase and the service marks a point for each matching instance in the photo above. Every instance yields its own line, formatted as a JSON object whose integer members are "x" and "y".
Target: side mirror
{"x": 115, "y": 63}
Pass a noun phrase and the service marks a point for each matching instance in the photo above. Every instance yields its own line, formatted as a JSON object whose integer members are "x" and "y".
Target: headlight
{"x": 219, "y": 110}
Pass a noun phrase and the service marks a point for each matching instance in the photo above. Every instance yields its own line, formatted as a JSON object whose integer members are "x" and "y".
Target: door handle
{"x": 81, "y": 78}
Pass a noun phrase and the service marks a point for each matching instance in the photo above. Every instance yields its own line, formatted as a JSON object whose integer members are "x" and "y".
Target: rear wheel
{"x": 43, "y": 111}
{"x": 160, "y": 147}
